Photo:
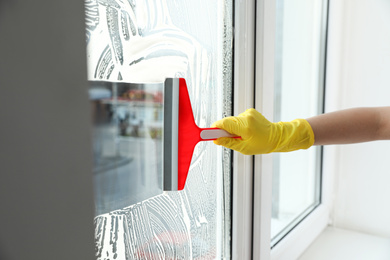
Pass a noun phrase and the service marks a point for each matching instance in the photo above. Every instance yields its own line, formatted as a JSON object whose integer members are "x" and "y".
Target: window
{"x": 299, "y": 83}
{"x": 290, "y": 66}
{"x": 133, "y": 42}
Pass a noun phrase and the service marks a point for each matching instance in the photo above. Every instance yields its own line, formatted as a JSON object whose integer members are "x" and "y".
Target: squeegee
{"x": 181, "y": 134}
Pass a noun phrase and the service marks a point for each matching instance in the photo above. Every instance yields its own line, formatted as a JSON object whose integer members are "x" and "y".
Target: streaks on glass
{"x": 113, "y": 29}
{"x": 170, "y": 226}
{"x": 153, "y": 229}
{"x": 125, "y": 20}
{"x": 139, "y": 37}
{"x": 163, "y": 50}
{"x": 91, "y": 17}
{"x": 148, "y": 41}
{"x": 105, "y": 65}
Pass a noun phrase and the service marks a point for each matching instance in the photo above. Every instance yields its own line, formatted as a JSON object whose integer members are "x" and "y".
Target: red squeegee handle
{"x": 209, "y": 134}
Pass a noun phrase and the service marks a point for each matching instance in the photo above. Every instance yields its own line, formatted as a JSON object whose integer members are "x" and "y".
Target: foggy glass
{"x": 132, "y": 46}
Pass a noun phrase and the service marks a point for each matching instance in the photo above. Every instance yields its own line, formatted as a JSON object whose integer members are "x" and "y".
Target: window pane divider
{"x": 244, "y": 63}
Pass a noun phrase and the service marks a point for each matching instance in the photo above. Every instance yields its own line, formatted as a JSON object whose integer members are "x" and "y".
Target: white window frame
{"x": 244, "y": 80}
{"x": 254, "y": 75}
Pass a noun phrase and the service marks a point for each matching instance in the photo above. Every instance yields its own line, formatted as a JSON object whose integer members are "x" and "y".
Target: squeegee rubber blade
{"x": 171, "y": 133}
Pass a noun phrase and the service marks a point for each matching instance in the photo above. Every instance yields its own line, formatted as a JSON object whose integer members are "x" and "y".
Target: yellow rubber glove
{"x": 260, "y": 136}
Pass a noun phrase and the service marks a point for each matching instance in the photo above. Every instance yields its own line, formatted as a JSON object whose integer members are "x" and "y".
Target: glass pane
{"x": 128, "y": 123}
{"x": 132, "y": 46}
{"x": 299, "y": 72}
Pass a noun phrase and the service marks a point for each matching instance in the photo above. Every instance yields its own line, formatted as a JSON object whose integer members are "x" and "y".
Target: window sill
{"x": 341, "y": 244}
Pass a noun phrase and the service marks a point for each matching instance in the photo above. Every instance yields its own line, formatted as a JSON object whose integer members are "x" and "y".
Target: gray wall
{"x": 46, "y": 207}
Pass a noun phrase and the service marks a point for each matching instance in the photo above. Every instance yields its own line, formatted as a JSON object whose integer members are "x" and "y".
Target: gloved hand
{"x": 260, "y": 136}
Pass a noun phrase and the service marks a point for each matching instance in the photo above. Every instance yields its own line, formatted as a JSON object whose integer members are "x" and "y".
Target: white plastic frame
{"x": 244, "y": 65}
{"x": 252, "y": 176}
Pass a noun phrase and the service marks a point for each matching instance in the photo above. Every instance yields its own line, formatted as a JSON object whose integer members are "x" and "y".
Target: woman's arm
{"x": 259, "y": 136}
{"x": 351, "y": 126}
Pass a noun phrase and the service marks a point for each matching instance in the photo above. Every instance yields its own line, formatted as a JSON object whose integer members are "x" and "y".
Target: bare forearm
{"x": 351, "y": 126}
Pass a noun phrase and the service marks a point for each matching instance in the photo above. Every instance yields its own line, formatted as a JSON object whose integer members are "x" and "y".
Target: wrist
{"x": 294, "y": 135}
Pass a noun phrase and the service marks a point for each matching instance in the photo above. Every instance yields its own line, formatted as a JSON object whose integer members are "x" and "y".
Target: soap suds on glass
{"x": 147, "y": 41}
